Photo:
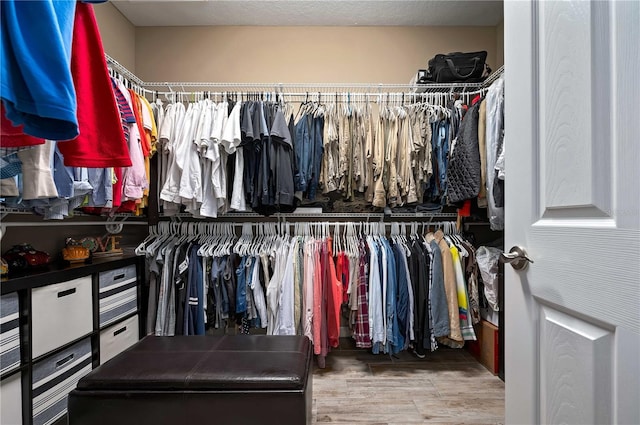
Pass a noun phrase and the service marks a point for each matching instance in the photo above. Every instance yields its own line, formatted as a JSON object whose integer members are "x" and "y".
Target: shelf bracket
{"x": 113, "y": 226}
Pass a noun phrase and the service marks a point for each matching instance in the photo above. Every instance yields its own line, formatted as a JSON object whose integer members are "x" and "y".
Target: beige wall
{"x": 300, "y": 54}
{"x": 118, "y": 35}
{"x": 500, "y": 45}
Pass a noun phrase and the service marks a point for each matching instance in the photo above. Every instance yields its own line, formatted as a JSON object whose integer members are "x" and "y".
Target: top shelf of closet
{"x": 370, "y": 88}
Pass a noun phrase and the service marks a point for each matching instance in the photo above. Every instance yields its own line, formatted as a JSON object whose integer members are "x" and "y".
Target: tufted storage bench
{"x": 257, "y": 380}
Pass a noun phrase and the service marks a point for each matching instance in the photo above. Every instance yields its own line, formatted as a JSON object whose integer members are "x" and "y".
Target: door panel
{"x": 572, "y": 192}
{"x": 575, "y": 364}
{"x": 568, "y": 117}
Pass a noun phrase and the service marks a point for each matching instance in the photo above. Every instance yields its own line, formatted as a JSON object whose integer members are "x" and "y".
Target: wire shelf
{"x": 323, "y": 216}
{"x": 300, "y": 88}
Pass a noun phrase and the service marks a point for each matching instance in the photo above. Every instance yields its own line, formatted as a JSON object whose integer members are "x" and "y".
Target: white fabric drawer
{"x": 118, "y": 294}
{"x": 11, "y": 400}
{"x": 10, "y": 336}
{"x": 61, "y": 313}
{"x": 117, "y": 338}
{"x": 53, "y": 379}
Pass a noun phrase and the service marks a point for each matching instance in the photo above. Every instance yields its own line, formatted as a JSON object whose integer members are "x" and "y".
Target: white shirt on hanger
{"x": 231, "y": 134}
{"x": 231, "y": 139}
{"x": 204, "y": 125}
{"x": 209, "y": 155}
{"x": 258, "y": 293}
{"x": 171, "y": 128}
{"x": 216, "y": 154}
{"x": 191, "y": 179}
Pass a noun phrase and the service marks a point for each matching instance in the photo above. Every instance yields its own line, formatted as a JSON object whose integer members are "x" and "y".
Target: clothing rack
{"x": 449, "y": 224}
{"x": 302, "y": 89}
{"x": 296, "y": 215}
{"x": 285, "y": 227}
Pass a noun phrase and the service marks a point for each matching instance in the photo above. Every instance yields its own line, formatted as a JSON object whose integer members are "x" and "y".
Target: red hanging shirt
{"x": 101, "y": 142}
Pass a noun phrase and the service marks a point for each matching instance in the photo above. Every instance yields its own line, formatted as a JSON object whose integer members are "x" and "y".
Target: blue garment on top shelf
{"x": 62, "y": 175}
{"x": 440, "y": 140}
{"x": 35, "y": 55}
{"x": 302, "y": 150}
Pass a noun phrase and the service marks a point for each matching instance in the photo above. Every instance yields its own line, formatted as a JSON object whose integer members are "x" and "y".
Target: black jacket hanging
{"x": 463, "y": 172}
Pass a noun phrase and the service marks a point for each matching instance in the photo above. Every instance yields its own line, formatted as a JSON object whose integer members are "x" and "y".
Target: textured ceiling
{"x": 311, "y": 12}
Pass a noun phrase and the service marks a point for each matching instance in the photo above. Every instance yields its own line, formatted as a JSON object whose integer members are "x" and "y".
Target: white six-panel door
{"x": 572, "y": 138}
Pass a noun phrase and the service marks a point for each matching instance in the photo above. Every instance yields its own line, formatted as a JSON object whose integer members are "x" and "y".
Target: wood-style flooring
{"x": 447, "y": 387}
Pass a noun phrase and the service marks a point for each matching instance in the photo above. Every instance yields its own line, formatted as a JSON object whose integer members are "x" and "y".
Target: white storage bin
{"x": 117, "y": 338}
{"x": 11, "y": 400}
{"x": 53, "y": 379}
{"x": 118, "y": 294}
{"x": 10, "y": 336}
{"x": 61, "y": 313}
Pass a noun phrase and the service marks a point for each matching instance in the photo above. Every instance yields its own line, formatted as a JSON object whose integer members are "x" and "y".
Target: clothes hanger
{"x": 212, "y": 240}
{"x": 140, "y": 249}
{"x": 249, "y": 243}
{"x": 228, "y": 240}
{"x": 171, "y": 239}
{"x": 204, "y": 238}
{"x": 232, "y": 238}
{"x": 355, "y": 238}
{"x": 220, "y": 246}
{"x": 164, "y": 232}
{"x": 214, "y": 250}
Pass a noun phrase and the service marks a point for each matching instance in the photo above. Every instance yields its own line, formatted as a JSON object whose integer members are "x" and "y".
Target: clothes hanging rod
{"x": 342, "y": 224}
{"x": 114, "y": 64}
{"x": 494, "y": 76}
{"x": 313, "y": 95}
{"x": 360, "y": 217}
{"x": 310, "y": 87}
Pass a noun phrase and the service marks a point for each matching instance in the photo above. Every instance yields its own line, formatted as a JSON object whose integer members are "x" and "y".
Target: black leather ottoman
{"x": 256, "y": 380}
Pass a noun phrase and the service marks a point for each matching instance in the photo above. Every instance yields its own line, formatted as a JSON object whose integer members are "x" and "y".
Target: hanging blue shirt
{"x": 35, "y": 55}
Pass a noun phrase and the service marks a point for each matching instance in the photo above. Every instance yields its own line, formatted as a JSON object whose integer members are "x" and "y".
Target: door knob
{"x": 517, "y": 257}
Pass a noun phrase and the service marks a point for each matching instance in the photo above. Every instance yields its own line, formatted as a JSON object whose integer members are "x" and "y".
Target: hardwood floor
{"x": 447, "y": 387}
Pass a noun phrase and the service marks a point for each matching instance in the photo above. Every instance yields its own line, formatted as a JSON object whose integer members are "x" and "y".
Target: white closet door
{"x": 572, "y": 335}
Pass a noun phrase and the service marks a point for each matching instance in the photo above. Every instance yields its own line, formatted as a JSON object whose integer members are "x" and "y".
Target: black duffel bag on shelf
{"x": 458, "y": 67}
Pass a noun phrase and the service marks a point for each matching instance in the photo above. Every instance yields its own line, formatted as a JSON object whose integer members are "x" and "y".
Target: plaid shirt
{"x": 362, "y": 337}
{"x": 10, "y": 166}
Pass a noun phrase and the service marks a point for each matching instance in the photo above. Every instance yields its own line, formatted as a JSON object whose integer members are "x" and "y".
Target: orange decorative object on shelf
{"x": 75, "y": 253}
